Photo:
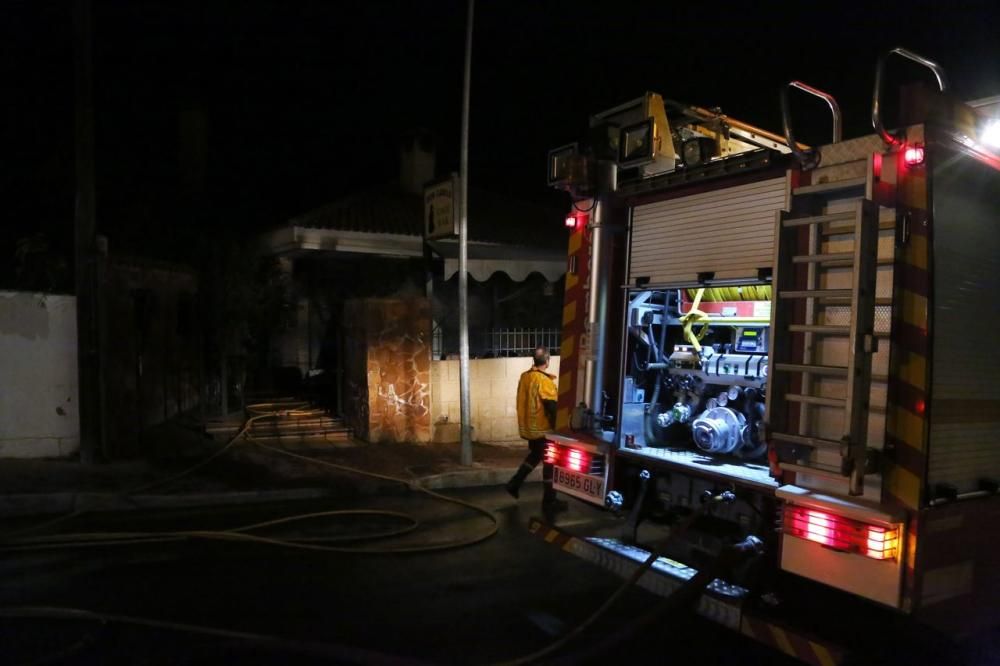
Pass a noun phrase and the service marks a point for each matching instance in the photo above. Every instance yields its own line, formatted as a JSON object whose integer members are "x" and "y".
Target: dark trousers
{"x": 536, "y": 453}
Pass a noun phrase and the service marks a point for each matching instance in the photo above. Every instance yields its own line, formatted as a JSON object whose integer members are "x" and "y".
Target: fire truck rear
{"x": 760, "y": 334}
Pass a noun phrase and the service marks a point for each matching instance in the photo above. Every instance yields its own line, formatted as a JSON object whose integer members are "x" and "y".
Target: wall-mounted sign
{"x": 441, "y": 208}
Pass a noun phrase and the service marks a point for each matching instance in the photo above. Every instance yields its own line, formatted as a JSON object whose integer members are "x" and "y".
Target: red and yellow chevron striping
{"x": 574, "y": 319}
{"x": 791, "y": 643}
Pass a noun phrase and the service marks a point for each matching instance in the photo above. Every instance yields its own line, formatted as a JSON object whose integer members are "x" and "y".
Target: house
{"x": 370, "y": 245}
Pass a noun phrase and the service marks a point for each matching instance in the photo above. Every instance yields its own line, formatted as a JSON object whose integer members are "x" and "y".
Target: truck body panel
{"x": 854, "y": 400}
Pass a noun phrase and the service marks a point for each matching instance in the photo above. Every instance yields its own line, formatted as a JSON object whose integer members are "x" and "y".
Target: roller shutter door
{"x": 729, "y": 232}
{"x": 964, "y": 445}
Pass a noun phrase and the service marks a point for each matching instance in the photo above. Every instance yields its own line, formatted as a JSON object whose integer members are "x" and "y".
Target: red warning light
{"x": 575, "y": 460}
{"x": 843, "y": 534}
{"x": 571, "y": 222}
{"x": 920, "y": 406}
{"x": 914, "y": 155}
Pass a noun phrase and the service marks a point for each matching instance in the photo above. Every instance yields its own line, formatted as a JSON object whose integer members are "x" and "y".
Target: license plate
{"x": 575, "y": 483}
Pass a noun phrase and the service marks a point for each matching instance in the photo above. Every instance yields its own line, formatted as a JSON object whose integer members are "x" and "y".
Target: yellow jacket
{"x": 535, "y": 388}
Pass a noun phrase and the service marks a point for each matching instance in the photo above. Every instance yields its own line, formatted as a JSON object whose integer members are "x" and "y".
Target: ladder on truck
{"x": 799, "y": 376}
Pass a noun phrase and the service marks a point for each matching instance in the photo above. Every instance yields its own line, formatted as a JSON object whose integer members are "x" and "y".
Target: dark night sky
{"x": 305, "y": 100}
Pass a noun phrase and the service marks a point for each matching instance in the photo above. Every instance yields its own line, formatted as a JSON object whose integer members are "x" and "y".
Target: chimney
{"x": 416, "y": 161}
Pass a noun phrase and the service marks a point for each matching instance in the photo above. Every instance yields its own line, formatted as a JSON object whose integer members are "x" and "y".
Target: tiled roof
{"x": 493, "y": 218}
{"x": 382, "y": 210}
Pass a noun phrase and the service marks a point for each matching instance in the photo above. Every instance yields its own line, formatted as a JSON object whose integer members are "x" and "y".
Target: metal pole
{"x": 463, "y": 253}
{"x": 87, "y": 331}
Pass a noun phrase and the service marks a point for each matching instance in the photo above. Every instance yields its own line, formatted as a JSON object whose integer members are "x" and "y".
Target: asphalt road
{"x": 486, "y": 603}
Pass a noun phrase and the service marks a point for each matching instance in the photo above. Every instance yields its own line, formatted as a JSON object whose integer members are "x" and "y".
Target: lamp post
{"x": 463, "y": 254}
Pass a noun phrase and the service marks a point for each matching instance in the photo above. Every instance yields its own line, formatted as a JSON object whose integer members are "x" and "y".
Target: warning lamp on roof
{"x": 914, "y": 155}
{"x": 571, "y": 222}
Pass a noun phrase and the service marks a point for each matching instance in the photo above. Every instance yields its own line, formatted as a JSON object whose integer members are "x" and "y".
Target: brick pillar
{"x": 387, "y": 387}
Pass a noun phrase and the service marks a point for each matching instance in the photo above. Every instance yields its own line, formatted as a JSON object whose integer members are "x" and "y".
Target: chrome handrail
{"x": 938, "y": 71}
{"x": 808, "y": 159}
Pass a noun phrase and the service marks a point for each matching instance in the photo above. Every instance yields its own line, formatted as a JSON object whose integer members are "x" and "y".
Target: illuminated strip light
{"x": 574, "y": 459}
{"x": 843, "y": 534}
{"x": 577, "y": 460}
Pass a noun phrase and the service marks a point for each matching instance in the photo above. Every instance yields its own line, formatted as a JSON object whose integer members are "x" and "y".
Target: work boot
{"x": 514, "y": 485}
{"x": 550, "y": 501}
{"x": 553, "y": 506}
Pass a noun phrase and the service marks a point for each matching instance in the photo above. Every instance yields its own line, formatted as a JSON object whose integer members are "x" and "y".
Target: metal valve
{"x": 614, "y": 501}
{"x": 725, "y": 497}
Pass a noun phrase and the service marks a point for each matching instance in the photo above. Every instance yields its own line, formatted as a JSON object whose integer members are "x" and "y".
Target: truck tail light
{"x": 844, "y": 534}
{"x": 577, "y": 460}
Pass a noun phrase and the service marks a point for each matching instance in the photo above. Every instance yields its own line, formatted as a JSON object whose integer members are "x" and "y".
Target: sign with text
{"x": 441, "y": 208}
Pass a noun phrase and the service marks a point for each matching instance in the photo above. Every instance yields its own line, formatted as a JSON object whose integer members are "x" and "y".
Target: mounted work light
{"x": 635, "y": 146}
{"x": 564, "y": 165}
{"x": 991, "y": 134}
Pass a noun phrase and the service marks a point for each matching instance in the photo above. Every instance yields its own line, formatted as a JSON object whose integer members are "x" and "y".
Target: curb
{"x": 32, "y": 504}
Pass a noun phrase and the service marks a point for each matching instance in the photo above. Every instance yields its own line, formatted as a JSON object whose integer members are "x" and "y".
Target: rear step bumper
{"x": 722, "y": 602}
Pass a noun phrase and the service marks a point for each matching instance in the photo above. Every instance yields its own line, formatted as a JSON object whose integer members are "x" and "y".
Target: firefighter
{"x": 536, "y": 414}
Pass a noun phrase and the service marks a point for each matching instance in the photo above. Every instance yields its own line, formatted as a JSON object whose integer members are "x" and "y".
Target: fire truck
{"x": 793, "y": 343}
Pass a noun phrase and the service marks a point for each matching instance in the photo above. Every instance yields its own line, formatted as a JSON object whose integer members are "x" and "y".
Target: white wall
{"x": 493, "y": 392}
{"x": 39, "y": 415}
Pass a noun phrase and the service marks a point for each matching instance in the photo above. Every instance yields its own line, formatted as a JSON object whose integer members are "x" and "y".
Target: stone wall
{"x": 387, "y": 369}
{"x": 492, "y": 397}
{"x": 39, "y": 416}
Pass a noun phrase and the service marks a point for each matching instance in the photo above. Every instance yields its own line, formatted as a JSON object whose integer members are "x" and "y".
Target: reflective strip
{"x": 781, "y": 640}
{"x": 574, "y": 311}
{"x": 913, "y": 188}
{"x": 904, "y": 485}
{"x": 823, "y": 655}
{"x": 916, "y": 253}
{"x": 912, "y": 370}
{"x": 913, "y": 309}
{"x": 569, "y": 312}
{"x": 791, "y": 643}
{"x": 575, "y": 241}
{"x": 906, "y": 427}
{"x": 566, "y": 349}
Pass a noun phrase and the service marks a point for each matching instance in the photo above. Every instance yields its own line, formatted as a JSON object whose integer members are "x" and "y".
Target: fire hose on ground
{"x": 684, "y": 594}
{"x": 17, "y": 541}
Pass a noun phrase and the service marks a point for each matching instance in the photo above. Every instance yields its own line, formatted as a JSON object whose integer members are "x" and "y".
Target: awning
{"x": 518, "y": 270}
{"x": 517, "y": 261}
{"x": 485, "y": 259}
